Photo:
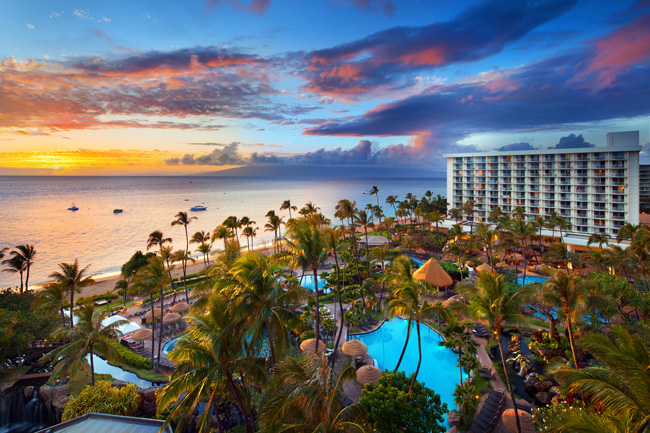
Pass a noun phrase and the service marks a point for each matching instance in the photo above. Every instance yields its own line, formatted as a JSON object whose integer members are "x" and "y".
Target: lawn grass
{"x": 146, "y": 374}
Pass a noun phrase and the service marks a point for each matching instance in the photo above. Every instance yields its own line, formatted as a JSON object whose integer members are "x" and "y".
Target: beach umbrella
{"x": 368, "y": 374}
{"x": 157, "y": 311}
{"x": 310, "y": 344}
{"x": 172, "y": 318}
{"x": 470, "y": 263}
{"x": 432, "y": 273}
{"x": 501, "y": 265}
{"x": 525, "y": 420}
{"x": 420, "y": 251}
{"x": 354, "y": 348}
{"x": 398, "y": 248}
{"x": 180, "y": 307}
{"x": 485, "y": 268}
{"x": 142, "y": 335}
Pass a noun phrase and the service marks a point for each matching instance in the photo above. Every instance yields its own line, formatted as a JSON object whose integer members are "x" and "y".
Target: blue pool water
{"x": 438, "y": 370}
{"x": 308, "y": 283}
{"x": 417, "y": 261}
{"x": 103, "y": 367}
{"x": 169, "y": 346}
{"x": 531, "y": 279}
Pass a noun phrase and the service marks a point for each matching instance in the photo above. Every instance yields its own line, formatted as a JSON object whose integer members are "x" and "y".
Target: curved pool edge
{"x": 384, "y": 321}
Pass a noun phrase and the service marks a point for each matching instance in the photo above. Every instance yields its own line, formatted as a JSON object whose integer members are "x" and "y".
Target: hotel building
{"x": 644, "y": 184}
{"x": 596, "y": 189}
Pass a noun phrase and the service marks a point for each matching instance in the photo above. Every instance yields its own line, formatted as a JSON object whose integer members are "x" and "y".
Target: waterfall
{"x": 20, "y": 415}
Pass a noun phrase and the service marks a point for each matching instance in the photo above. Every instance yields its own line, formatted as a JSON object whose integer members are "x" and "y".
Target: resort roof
{"x": 373, "y": 240}
{"x": 103, "y": 423}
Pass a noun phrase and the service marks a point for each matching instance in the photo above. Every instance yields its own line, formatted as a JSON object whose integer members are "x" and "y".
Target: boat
{"x": 198, "y": 208}
{"x": 117, "y": 211}
{"x": 73, "y": 208}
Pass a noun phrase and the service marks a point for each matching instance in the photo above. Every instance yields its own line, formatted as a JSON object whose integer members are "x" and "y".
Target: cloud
{"x": 226, "y": 156}
{"x": 572, "y": 142}
{"x": 255, "y": 6}
{"x": 383, "y": 60}
{"x": 381, "y": 6}
{"x": 30, "y": 26}
{"x": 55, "y": 14}
{"x": 516, "y": 146}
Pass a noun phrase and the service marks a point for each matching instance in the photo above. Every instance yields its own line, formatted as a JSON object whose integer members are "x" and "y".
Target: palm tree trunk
{"x": 187, "y": 252}
{"x": 505, "y": 372}
{"x": 27, "y": 278}
{"x": 162, "y": 299}
{"x": 408, "y": 334}
{"x": 417, "y": 370}
{"x": 62, "y": 315}
{"x": 317, "y": 321}
{"x": 92, "y": 366}
{"x": 338, "y": 292}
{"x": 71, "y": 306}
{"x": 215, "y": 405}
{"x": 523, "y": 253}
{"x": 356, "y": 252}
{"x": 153, "y": 333}
{"x": 365, "y": 229}
{"x": 21, "y": 281}
{"x": 460, "y": 365}
{"x": 240, "y": 403}
{"x": 570, "y": 329}
{"x": 271, "y": 346}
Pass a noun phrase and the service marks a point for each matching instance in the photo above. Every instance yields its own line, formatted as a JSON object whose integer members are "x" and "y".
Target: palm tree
{"x": 26, "y": 254}
{"x": 183, "y": 220}
{"x": 202, "y": 238}
{"x": 569, "y": 293}
{"x": 436, "y": 218}
{"x": 347, "y": 209}
{"x": 456, "y": 214}
{"x": 489, "y": 300}
{"x": 287, "y": 205}
{"x": 458, "y": 337}
{"x": 627, "y": 231}
{"x": 375, "y": 191}
{"x": 333, "y": 237}
{"x": 183, "y": 257}
{"x": 74, "y": 279}
{"x": 308, "y": 247}
{"x": 205, "y": 249}
{"x": 305, "y": 395}
{"x": 361, "y": 218}
{"x": 309, "y": 208}
{"x": 620, "y": 383}
{"x": 522, "y": 230}
{"x": 274, "y": 225}
{"x": 256, "y": 294}
{"x": 221, "y": 232}
{"x": 391, "y": 200}
{"x": 465, "y": 396}
{"x": 210, "y": 354}
{"x": 153, "y": 276}
{"x": 51, "y": 298}
{"x": 468, "y": 208}
{"x": 559, "y": 253}
{"x": 88, "y": 337}
{"x": 600, "y": 239}
{"x": 540, "y": 223}
{"x": 483, "y": 237}
{"x": 15, "y": 265}
{"x": 248, "y": 232}
{"x": 156, "y": 238}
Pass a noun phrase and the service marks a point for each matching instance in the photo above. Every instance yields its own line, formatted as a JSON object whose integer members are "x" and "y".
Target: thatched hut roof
{"x": 180, "y": 307}
{"x": 142, "y": 335}
{"x": 310, "y": 344}
{"x": 354, "y": 348}
{"x": 432, "y": 273}
{"x": 368, "y": 374}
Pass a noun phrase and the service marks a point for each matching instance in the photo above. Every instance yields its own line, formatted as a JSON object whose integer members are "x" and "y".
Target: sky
{"x": 168, "y": 87}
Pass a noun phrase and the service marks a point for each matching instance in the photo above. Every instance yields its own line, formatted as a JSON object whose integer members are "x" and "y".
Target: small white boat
{"x": 198, "y": 208}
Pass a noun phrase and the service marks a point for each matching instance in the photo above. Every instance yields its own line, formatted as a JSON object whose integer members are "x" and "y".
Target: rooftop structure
{"x": 596, "y": 189}
{"x": 103, "y": 423}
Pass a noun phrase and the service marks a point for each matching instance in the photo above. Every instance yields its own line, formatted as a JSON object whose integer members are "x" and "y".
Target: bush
{"x": 307, "y": 335}
{"x": 102, "y": 398}
{"x": 453, "y": 270}
{"x": 391, "y": 408}
{"x": 82, "y": 300}
{"x": 130, "y": 358}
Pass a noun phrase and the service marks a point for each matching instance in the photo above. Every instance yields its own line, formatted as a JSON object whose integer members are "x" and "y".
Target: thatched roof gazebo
{"x": 310, "y": 344}
{"x": 525, "y": 421}
{"x": 501, "y": 265}
{"x": 420, "y": 251}
{"x": 156, "y": 311}
{"x": 485, "y": 268}
{"x": 368, "y": 374}
{"x": 170, "y": 319}
{"x": 432, "y": 273}
{"x": 470, "y": 263}
{"x": 354, "y": 348}
{"x": 180, "y": 307}
{"x": 142, "y": 335}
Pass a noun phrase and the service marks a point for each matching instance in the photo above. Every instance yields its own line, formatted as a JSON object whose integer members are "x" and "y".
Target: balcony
{"x": 601, "y": 164}
{"x": 600, "y": 156}
{"x": 600, "y": 198}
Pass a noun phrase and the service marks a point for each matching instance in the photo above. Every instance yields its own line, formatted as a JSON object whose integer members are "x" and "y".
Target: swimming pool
{"x": 417, "y": 261}
{"x": 308, "y": 283}
{"x": 169, "y": 346}
{"x": 531, "y": 279}
{"x": 103, "y": 367}
{"x": 438, "y": 370}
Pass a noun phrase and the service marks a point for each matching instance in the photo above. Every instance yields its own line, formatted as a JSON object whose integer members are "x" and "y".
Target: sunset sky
{"x": 144, "y": 87}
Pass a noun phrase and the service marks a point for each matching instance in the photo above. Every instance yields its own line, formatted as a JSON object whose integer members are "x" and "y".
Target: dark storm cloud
{"x": 516, "y": 146}
{"x": 572, "y": 142}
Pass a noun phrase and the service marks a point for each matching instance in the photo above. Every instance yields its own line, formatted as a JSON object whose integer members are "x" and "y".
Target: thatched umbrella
{"x": 310, "y": 344}
{"x": 485, "y": 268}
{"x": 172, "y": 318}
{"x": 368, "y": 374}
{"x": 180, "y": 307}
{"x": 470, "y": 263}
{"x": 432, "y": 273}
{"x": 354, "y": 348}
{"x": 142, "y": 335}
{"x": 525, "y": 421}
{"x": 157, "y": 311}
{"x": 501, "y": 265}
{"x": 420, "y": 251}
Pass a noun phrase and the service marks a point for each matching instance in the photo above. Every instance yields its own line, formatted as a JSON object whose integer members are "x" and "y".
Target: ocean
{"x": 34, "y": 211}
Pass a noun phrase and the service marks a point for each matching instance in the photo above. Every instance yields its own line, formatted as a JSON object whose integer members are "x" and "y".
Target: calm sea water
{"x": 34, "y": 210}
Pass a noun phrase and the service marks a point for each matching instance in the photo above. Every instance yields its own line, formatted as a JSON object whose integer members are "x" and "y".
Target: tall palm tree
{"x": 620, "y": 383}
{"x": 347, "y": 209}
{"x": 600, "y": 239}
{"x": 286, "y": 205}
{"x": 157, "y": 239}
{"x": 15, "y": 265}
{"x": 627, "y": 231}
{"x": 257, "y": 296}
{"x": 309, "y": 208}
{"x": 221, "y": 232}
{"x": 183, "y": 257}
{"x": 333, "y": 237}
{"x": 51, "y": 298}
{"x": 248, "y": 232}
{"x": 308, "y": 247}
{"x": 209, "y": 355}
{"x": 274, "y": 225}
{"x": 88, "y": 337}
{"x": 362, "y": 219}
{"x": 559, "y": 253}
{"x": 522, "y": 230}
{"x": 202, "y": 238}
{"x": 400, "y": 273}
{"x": 569, "y": 293}
{"x": 26, "y": 253}
{"x": 483, "y": 237}
{"x": 375, "y": 191}
{"x": 74, "y": 279}
{"x": 150, "y": 276}
{"x": 458, "y": 337}
{"x": 306, "y": 395}
{"x": 489, "y": 300}
{"x": 183, "y": 220}
{"x": 540, "y": 223}
{"x": 391, "y": 200}
{"x": 456, "y": 214}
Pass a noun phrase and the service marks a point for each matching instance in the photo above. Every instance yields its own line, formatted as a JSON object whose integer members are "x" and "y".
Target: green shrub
{"x": 130, "y": 358}
{"x": 92, "y": 299}
{"x": 102, "y": 398}
{"x": 453, "y": 270}
{"x": 307, "y": 335}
